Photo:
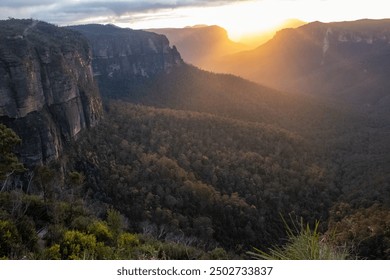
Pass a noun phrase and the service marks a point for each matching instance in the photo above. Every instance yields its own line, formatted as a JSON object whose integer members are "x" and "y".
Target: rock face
{"x": 125, "y": 59}
{"x": 47, "y": 89}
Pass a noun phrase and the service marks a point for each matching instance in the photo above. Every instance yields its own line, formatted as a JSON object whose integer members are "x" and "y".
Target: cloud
{"x": 71, "y": 11}
{"x": 122, "y": 7}
{"x": 22, "y": 4}
{"x": 116, "y": 7}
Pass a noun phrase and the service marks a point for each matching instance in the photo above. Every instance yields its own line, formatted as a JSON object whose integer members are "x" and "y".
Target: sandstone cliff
{"x": 47, "y": 89}
{"x": 125, "y": 59}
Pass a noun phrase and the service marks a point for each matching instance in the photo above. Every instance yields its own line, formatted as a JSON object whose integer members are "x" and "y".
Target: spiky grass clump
{"x": 304, "y": 243}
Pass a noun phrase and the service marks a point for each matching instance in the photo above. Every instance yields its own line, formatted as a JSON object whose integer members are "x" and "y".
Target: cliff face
{"x": 125, "y": 59}
{"x": 47, "y": 90}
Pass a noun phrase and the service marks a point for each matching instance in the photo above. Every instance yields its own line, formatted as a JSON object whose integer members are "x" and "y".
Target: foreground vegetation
{"x": 305, "y": 243}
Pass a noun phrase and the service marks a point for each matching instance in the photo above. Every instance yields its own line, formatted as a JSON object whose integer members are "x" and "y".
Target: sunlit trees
{"x": 197, "y": 175}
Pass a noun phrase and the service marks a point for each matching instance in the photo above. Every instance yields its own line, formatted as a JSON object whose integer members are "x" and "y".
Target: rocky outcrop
{"x": 124, "y": 59}
{"x": 47, "y": 89}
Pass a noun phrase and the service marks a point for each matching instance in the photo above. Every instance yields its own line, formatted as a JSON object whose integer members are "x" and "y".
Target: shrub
{"x": 304, "y": 243}
{"x": 78, "y": 246}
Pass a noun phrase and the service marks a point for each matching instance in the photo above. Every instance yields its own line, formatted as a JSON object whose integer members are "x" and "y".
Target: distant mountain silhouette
{"x": 256, "y": 39}
{"x": 200, "y": 45}
{"x": 347, "y": 60}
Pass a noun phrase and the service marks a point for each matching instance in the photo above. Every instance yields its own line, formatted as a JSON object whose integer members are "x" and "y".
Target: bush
{"x": 101, "y": 231}
{"x": 9, "y": 240}
{"x": 127, "y": 243}
{"x": 304, "y": 243}
{"x": 78, "y": 246}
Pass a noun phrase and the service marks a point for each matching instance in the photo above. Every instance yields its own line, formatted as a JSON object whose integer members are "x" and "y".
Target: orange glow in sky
{"x": 241, "y": 18}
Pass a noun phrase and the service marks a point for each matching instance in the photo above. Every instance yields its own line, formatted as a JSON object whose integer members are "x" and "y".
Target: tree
{"x": 9, "y": 239}
{"x": 101, "y": 231}
{"x": 45, "y": 177}
{"x": 9, "y": 163}
{"x": 127, "y": 242}
{"x": 115, "y": 222}
{"x": 78, "y": 246}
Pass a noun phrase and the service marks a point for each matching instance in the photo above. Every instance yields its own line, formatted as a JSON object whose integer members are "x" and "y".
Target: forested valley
{"x": 165, "y": 183}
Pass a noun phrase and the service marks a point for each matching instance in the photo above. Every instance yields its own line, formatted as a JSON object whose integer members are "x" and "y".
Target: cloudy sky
{"x": 238, "y": 16}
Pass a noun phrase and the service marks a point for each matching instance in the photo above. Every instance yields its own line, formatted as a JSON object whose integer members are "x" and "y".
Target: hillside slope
{"x": 344, "y": 60}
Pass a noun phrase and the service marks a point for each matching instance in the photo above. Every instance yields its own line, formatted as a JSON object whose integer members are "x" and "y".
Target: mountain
{"x": 124, "y": 59}
{"x": 201, "y": 45}
{"x": 345, "y": 60}
{"x": 128, "y": 68}
{"x": 254, "y": 40}
{"x": 47, "y": 90}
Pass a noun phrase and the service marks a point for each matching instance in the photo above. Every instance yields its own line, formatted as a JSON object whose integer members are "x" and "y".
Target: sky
{"x": 239, "y": 17}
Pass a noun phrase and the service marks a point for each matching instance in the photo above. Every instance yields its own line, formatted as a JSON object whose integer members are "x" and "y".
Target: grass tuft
{"x": 304, "y": 243}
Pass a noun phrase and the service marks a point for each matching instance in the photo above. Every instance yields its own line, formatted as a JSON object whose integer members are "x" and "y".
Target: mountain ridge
{"x": 124, "y": 59}
{"x": 345, "y": 58}
{"x": 201, "y": 45}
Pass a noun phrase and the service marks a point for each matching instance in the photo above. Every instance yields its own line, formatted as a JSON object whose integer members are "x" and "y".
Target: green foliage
{"x": 215, "y": 180}
{"x": 53, "y": 252}
{"x": 304, "y": 243}
{"x": 126, "y": 240}
{"x": 9, "y": 163}
{"x": 76, "y": 178}
{"x": 190, "y": 182}
{"x": 10, "y": 240}
{"x": 115, "y": 222}
{"x": 126, "y": 245}
{"x": 78, "y": 246}
{"x": 101, "y": 230}
{"x": 365, "y": 230}
{"x": 175, "y": 251}
{"x": 45, "y": 177}
{"x": 27, "y": 231}
{"x": 83, "y": 223}
{"x": 217, "y": 254}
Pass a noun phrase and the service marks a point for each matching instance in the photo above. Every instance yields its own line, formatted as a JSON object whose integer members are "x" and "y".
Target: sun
{"x": 247, "y": 18}
{"x": 240, "y": 18}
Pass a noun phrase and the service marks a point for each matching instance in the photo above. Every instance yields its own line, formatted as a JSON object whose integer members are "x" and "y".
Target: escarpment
{"x": 125, "y": 59}
{"x": 47, "y": 89}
